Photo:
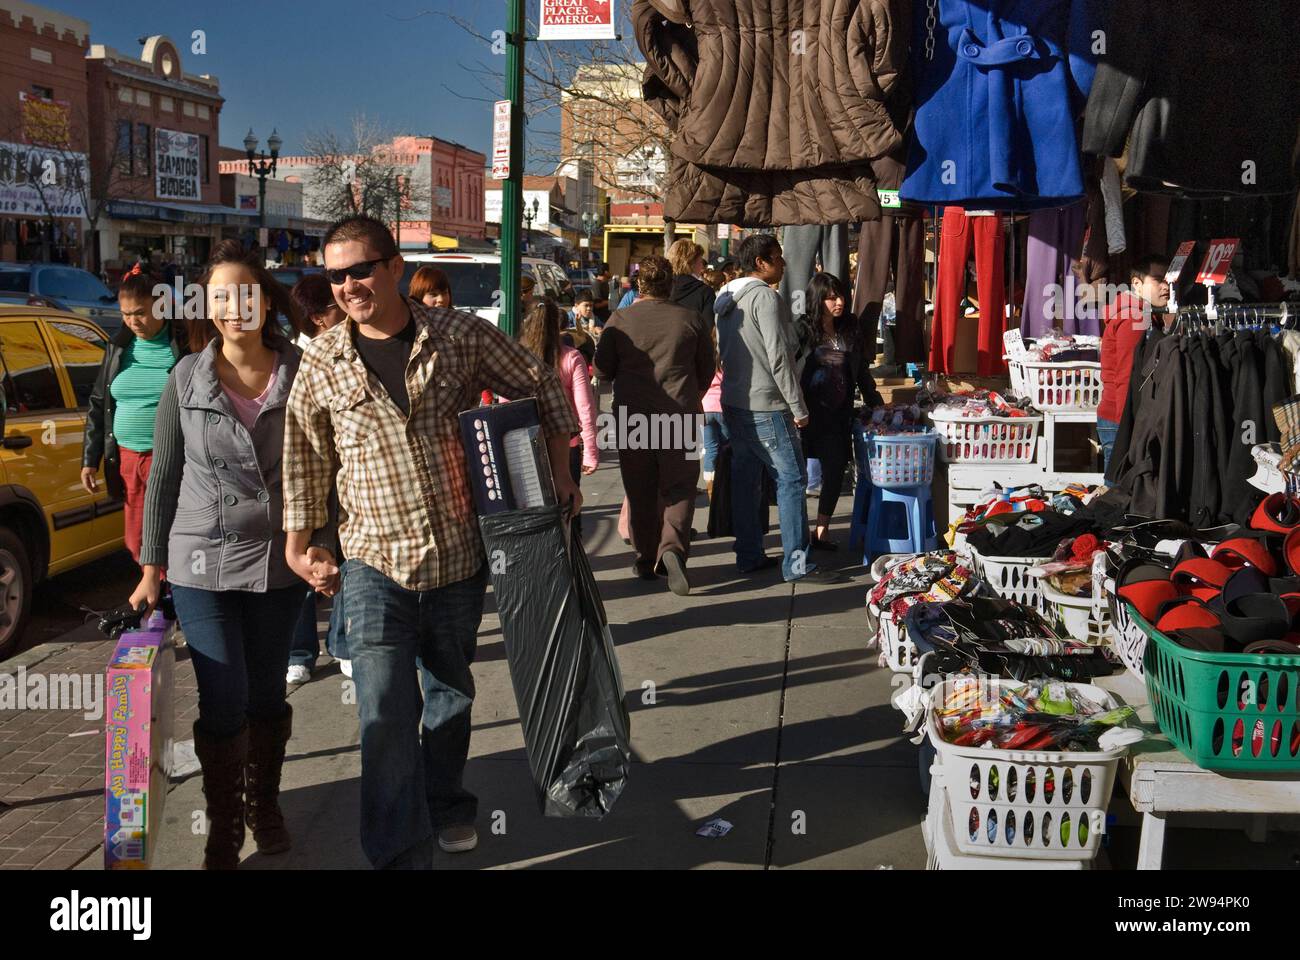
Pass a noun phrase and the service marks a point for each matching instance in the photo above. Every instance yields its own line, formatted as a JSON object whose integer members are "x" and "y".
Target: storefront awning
{"x": 200, "y": 213}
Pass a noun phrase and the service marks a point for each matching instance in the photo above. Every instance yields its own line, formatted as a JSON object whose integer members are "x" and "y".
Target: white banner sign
{"x": 501, "y": 140}
{"x": 177, "y": 161}
{"x": 41, "y": 182}
{"x": 576, "y": 20}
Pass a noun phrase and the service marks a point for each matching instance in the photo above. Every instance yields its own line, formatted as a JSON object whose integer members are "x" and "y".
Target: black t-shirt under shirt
{"x": 387, "y": 360}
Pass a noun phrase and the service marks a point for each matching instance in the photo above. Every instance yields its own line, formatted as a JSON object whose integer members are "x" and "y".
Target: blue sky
{"x": 315, "y": 63}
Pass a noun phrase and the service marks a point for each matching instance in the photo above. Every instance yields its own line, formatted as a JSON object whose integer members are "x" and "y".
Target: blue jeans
{"x": 768, "y": 440}
{"x": 239, "y": 645}
{"x": 1106, "y": 432}
{"x": 711, "y": 437}
{"x": 306, "y": 636}
{"x": 412, "y": 754}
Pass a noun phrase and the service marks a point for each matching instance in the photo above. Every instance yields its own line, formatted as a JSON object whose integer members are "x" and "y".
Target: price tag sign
{"x": 1218, "y": 261}
{"x": 1179, "y": 261}
{"x": 501, "y": 140}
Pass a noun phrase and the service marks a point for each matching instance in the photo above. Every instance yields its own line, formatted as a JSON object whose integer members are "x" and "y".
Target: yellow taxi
{"x": 49, "y": 360}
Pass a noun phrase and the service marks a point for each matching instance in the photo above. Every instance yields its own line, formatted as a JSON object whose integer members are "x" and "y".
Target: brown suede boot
{"x": 222, "y": 760}
{"x": 266, "y": 743}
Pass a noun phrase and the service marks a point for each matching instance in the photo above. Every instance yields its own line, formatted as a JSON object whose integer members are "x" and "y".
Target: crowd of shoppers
{"x": 266, "y": 474}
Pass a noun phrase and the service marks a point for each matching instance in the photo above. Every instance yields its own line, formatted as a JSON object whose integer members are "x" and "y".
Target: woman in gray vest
{"x": 213, "y": 524}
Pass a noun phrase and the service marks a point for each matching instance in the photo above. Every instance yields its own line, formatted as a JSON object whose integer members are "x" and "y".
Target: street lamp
{"x": 590, "y": 221}
{"x": 530, "y": 214}
{"x": 262, "y": 167}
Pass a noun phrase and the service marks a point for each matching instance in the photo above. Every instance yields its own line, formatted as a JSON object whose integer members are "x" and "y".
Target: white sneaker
{"x": 297, "y": 674}
{"x": 346, "y": 667}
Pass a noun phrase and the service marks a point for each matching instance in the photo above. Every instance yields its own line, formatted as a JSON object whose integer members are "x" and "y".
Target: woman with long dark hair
{"x": 212, "y": 519}
{"x": 541, "y": 335}
{"x": 835, "y": 368}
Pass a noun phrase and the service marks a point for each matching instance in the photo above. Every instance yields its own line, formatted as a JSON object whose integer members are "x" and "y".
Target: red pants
{"x": 954, "y": 250}
{"x": 135, "y": 477}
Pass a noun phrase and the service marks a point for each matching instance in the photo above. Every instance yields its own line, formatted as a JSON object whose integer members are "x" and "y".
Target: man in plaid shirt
{"x": 373, "y": 411}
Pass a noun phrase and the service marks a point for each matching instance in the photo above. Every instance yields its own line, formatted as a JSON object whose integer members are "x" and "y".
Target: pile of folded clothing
{"x": 1227, "y": 590}
{"x": 894, "y": 418}
{"x": 1069, "y": 571}
{"x": 925, "y": 578}
{"x": 1037, "y": 716}
{"x": 978, "y": 404}
{"x": 1060, "y": 348}
{"x": 998, "y": 637}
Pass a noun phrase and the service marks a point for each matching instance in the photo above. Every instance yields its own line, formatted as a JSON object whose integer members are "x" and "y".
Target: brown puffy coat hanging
{"x": 778, "y": 107}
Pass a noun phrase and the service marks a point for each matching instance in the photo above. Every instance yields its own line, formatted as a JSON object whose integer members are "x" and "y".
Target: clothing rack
{"x": 1236, "y": 316}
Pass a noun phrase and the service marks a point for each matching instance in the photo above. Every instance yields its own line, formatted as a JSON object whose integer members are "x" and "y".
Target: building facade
{"x": 291, "y": 238}
{"x": 153, "y": 156}
{"x": 606, "y": 124}
{"x": 44, "y": 138}
{"x": 441, "y": 186}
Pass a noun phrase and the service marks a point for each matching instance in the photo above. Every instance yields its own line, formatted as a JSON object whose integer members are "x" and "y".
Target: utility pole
{"x": 512, "y": 191}
{"x": 397, "y": 195}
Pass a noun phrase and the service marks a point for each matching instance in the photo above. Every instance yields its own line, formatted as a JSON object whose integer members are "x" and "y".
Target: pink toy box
{"x": 138, "y": 736}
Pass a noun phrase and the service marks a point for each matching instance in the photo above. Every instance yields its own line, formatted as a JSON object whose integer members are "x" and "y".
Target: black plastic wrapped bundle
{"x": 562, "y": 662}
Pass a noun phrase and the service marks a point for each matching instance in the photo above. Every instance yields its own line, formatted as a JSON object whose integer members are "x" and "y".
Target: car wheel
{"x": 15, "y": 591}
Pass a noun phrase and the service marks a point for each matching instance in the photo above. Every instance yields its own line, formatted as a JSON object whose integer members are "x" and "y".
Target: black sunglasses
{"x": 358, "y": 271}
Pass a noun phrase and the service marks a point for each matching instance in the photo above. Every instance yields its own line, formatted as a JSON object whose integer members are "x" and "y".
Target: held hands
{"x": 88, "y": 480}
{"x": 318, "y": 567}
{"x": 147, "y": 592}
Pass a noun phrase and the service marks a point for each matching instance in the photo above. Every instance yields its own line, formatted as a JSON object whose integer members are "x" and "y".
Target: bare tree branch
{"x": 628, "y": 147}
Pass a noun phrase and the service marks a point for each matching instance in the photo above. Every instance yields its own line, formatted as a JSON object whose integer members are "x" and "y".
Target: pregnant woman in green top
{"x": 119, "y": 424}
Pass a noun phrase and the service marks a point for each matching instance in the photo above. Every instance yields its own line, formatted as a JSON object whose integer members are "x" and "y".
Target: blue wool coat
{"x": 997, "y": 106}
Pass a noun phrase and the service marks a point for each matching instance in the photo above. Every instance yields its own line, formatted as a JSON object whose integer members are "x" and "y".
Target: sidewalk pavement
{"x": 767, "y": 711}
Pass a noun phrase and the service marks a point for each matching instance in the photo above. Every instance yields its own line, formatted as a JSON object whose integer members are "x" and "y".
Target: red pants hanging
{"x": 958, "y": 230}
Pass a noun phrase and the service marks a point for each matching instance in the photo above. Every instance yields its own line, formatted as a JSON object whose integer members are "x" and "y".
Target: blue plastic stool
{"x": 858, "y": 525}
{"x": 900, "y": 520}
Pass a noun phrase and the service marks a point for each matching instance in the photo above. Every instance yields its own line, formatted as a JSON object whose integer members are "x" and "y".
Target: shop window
{"x": 82, "y": 348}
{"x": 122, "y": 151}
{"x": 143, "y": 143}
{"x": 142, "y": 98}
{"x": 166, "y": 104}
{"x": 30, "y": 385}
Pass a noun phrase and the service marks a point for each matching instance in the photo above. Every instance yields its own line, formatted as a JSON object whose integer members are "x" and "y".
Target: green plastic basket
{"x": 1225, "y": 711}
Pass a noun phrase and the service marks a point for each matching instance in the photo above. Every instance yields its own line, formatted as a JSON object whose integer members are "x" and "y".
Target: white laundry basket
{"x": 986, "y": 439}
{"x": 1071, "y": 387}
{"x": 1009, "y": 578}
{"x": 942, "y": 852}
{"x": 1025, "y": 804}
{"x": 899, "y": 653}
{"x": 1076, "y": 615}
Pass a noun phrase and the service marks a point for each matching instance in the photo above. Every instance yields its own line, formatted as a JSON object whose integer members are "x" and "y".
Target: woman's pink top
{"x": 582, "y": 398}
{"x": 713, "y": 398}
{"x": 247, "y": 410}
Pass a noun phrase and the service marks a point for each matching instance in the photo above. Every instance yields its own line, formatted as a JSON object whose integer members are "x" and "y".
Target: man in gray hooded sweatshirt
{"x": 763, "y": 408}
